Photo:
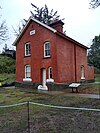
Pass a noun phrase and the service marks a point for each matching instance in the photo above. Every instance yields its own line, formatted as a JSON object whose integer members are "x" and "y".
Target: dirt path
{"x": 96, "y": 96}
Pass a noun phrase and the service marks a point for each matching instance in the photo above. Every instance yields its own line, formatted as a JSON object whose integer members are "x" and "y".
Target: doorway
{"x": 43, "y": 72}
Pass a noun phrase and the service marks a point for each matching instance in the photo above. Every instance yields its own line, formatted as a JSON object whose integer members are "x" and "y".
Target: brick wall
{"x": 36, "y": 60}
{"x": 66, "y": 57}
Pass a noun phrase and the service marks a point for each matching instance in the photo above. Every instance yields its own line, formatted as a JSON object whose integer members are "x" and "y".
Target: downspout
{"x": 75, "y": 62}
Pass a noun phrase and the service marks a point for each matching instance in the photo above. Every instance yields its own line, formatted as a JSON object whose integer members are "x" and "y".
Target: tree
{"x": 7, "y": 64}
{"x": 21, "y": 24}
{"x": 8, "y": 52}
{"x": 5, "y": 48}
{"x": 94, "y": 52}
{"x": 43, "y": 14}
{"x": 3, "y": 30}
{"x": 94, "y": 3}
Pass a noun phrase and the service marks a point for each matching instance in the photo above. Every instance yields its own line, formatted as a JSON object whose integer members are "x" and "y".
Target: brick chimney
{"x": 58, "y": 25}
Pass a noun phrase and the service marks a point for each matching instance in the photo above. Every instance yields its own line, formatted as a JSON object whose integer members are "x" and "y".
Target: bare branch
{"x": 21, "y": 24}
{"x": 3, "y": 31}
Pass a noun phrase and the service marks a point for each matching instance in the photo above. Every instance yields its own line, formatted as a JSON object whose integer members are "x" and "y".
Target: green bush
{"x": 96, "y": 70}
{"x": 5, "y": 77}
{"x": 7, "y": 64}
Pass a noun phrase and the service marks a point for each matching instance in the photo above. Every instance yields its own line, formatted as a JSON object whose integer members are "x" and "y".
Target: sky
{"x": 81, "y": 23}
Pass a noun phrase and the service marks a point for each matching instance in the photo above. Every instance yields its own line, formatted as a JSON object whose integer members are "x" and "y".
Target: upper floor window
{"x": 47, "y": 49}
{"x": 27, "y": 71}
{"x": 27, "y": 49}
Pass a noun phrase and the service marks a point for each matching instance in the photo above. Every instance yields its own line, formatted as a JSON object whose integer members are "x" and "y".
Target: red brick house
{"x": 45, "y": 54}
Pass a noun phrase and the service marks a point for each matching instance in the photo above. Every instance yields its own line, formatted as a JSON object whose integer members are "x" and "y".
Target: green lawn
{"x": 43, "y": 119}
{"x": 17, "y": 95}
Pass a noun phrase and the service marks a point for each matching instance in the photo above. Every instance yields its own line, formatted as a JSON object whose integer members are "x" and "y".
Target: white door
{"x": 44, "y": 77}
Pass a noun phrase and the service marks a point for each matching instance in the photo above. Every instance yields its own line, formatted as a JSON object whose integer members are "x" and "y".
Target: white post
{"x": 44, "y": 77}
{"x": 43, "y": 86}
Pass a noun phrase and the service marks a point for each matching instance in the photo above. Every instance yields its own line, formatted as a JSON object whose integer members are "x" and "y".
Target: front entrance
{"x": 43, "y": 76}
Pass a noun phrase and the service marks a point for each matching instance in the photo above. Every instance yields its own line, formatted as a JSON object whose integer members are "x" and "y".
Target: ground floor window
{"x": 50, "y": 72}
{"x": 82, "y": 72}
{"x": 27, "y": 71}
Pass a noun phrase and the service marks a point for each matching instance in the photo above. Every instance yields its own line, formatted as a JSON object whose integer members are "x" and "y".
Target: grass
{"x": 43, "y": 119}
{"x": 91, "y": 88}
{"x": 49, "y": 120}
{"x": 12, "y": 96}
{"x": 97, "y": 79}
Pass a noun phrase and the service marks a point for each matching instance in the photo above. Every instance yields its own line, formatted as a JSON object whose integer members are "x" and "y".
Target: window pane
{"x": 50, "y": 72}
{"x": 46, "y": 46}
{"x": 28, "y": 75}
{"x": 27, "y": 49}
{"x": 27, "y": 71}
{"x": 82, "y": 72}
{"x": 47, "y": 49}
{"x": 28, "y": 68}
{"x": 46, "y": 53}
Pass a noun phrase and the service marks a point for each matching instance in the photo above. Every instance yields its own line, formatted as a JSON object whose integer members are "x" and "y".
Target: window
{"x": 27, "y": 71}
{"x": 47, "y": 49}
{"x": 50, "y": 72}
{"x": 50, "y": 75}
{"x": 82, "y": 72}
{"x": 27, "y": 49}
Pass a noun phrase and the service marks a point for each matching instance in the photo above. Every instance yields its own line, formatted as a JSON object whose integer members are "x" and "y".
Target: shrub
{"x": 7, "y": 64}
{"x": 96, "y": 70}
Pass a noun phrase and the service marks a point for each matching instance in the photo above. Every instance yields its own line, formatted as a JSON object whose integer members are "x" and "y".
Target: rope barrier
{"x": 63, "y": 107}
{"x": 13, "y": 105}
{"x": 51, "y": 106}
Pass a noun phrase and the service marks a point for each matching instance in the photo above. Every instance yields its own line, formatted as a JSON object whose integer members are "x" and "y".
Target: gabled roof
{"x": 49, "y": 28}
{"x": 71, "y": 40}
{"x": 27, "y": 24}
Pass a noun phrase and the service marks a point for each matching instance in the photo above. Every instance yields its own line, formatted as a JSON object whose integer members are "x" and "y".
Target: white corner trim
{"x": 35, "y": 20}
{"x": 44, "y": 25}
{"x": 27, "y": 79}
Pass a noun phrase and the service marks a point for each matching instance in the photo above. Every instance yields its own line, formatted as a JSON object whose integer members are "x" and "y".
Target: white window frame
{"x": 27, "y": 71}
{"x": 47, "y": 50}
{"x": 82, "y": 72}
{"x": 50, "y": 72}
{"x": 27, "y": 50}
{"x": 50, "y": 75}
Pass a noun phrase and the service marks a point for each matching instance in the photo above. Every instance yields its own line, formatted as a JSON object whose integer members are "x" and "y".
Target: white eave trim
{"x": 44, "y": 25}
{"x": 31, "y": 18}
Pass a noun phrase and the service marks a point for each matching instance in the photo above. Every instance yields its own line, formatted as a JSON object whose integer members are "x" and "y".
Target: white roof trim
{"x": 44, "y": 25}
